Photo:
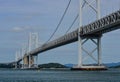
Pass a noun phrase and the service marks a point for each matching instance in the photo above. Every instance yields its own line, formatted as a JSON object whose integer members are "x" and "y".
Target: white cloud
{"x": 27, "y": 27}
{"x": 19, "y": 29}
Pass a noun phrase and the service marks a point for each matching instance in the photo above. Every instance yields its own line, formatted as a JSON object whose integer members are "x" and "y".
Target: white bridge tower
{"x": 33, "y": 44}
{"x": 95, "y": 7}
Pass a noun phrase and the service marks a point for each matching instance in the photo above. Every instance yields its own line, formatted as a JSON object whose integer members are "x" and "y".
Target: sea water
{"x": 111, "y": 75}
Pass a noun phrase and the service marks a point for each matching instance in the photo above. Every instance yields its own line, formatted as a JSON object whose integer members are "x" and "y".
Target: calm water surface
{"x": 112, "y": 75}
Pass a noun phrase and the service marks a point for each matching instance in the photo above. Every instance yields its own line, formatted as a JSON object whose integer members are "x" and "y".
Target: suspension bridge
{"x": 93, "y": 31}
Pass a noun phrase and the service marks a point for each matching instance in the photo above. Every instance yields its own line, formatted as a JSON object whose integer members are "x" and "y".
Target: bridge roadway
{"x": 95, "y": 29}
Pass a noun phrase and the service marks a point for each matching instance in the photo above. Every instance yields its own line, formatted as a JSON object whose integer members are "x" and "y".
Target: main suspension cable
{"x": 72, "y": 23}
{"x": 59, "y": 21}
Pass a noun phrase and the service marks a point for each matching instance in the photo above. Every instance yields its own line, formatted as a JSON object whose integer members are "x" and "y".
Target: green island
{"x": 41, "y": 66}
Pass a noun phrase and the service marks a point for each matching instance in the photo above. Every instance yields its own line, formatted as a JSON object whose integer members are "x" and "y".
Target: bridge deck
{"x": 103, "y": 25}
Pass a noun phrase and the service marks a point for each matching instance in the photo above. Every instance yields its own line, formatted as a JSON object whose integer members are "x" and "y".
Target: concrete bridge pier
{"x": 25, "y": 62}
{"x": 30, "y": 62}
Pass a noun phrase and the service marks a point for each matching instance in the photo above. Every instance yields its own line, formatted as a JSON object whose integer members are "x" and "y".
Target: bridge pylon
{"x": 17, "y": 56}
{"x": 33, "y": 43}
{"x": 96, "y": 39}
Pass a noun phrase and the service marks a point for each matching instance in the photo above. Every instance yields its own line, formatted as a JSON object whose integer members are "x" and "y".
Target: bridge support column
{"x": 31, "y": 61}
{"x": 85, "y": 52}
{"x": 16, "y": 65}
{"x": 17, "y": 56}
{"x": 33, "y": 43}
{"x": 79, "y": 52}
{"x": 97, "y": 41}
{"x": 36, "y": 61}
{"x": 25, "y": 62}
{"x": 79, "y": 38}
{"x": 99, "y": 51}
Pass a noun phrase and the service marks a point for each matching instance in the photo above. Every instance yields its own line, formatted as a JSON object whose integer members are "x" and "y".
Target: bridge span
{"x": 95, "y": 29}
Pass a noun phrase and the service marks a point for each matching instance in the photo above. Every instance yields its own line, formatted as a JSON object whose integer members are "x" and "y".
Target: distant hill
{"x": 113, "y": 64}
{"x": 2, "y": 65}
{"x": 116, "y": 65}
{"x": 52, "y": 65}
{"x": 69, "y": 65}
{"x": 57, "y": 65}
{"x": 49, "y": 65}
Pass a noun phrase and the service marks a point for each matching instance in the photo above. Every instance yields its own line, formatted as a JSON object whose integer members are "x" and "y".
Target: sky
{"x": 20, "y": 17}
